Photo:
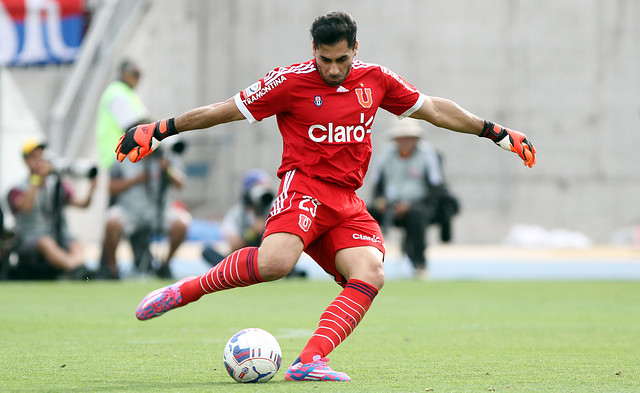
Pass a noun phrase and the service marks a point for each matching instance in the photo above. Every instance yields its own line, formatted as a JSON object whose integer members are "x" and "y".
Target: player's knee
{"x": 274, "y": 266}
{"x": 277, "y": 256}
{"x": 371, "y": 273}
{"x": 376, "y": 275}
{"x": 274, "y": 271}
{"x": 362, "y": 263}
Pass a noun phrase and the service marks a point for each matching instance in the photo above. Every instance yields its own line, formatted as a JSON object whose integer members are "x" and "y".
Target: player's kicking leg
{"x": 237, "y": 270}
{"x": 240, "y": 269}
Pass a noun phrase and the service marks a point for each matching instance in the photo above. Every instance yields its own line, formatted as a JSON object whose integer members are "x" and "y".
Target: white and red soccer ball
{"x": 252, "y": 355}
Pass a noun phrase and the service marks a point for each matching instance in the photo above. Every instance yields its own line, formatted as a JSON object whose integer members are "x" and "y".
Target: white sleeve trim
{"x": 415, "y": 106}
{"x": 243, "y": 109}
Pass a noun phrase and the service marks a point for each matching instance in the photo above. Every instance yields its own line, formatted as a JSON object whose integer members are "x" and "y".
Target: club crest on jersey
{"x": 364, "y": 97}
{"x": 317, "y": 100}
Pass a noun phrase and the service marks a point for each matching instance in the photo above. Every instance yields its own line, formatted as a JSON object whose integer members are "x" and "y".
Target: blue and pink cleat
{"x": 160, "y": 301}
{"x": 317, "y": 370}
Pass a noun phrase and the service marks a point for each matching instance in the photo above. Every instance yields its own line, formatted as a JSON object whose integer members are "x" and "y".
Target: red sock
{"x": 339, "y": 319}
{"x": 240, "y": 269}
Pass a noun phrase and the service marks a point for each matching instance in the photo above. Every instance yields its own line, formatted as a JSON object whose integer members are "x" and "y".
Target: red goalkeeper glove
{"x": 510, "y": 140}
{"x": 141, "y": 140}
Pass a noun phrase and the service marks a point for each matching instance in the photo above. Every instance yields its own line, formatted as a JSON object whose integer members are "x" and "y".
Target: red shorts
{"x": 327, "y": 218}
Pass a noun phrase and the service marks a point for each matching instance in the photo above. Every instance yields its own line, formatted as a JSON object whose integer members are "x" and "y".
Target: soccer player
{"x": 325, "y": 109}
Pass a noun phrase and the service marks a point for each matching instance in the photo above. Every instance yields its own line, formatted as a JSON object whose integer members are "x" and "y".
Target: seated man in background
{"x": 141, "y": 204}
{"x": 45, "y": 248}
{"x": 410, "y": 192}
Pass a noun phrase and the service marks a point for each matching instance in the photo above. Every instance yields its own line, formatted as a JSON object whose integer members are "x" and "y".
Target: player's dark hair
{"x": 333, "y": 27}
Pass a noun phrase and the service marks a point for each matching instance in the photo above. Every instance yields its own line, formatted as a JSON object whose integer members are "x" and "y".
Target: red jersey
{"x": 326, "y": 129}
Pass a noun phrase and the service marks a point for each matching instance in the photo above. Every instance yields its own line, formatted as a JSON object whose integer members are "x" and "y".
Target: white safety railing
{"x": 76, "y": 104}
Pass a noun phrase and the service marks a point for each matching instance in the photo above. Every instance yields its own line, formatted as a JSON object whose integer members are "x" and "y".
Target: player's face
{"x": 334, "y": 61}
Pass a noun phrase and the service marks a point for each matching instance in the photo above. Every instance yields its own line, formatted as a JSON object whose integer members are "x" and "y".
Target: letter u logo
{"x": 364, "y": 97}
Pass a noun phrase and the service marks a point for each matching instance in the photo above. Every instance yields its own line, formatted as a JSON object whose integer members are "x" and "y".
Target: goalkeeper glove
{"x": 510, "y": 140}
{"x": 141, "y": 140}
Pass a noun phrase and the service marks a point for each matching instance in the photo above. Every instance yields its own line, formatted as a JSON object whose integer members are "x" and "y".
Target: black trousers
{"x": 414, "y": 223}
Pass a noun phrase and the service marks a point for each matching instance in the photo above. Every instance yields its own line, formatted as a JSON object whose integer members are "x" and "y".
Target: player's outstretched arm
{"x": 447, "y": 114}
{"x": 141, "y": 140}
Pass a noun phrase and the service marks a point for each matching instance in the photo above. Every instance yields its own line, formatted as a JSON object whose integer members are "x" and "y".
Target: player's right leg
{"x": 274, "y": 259}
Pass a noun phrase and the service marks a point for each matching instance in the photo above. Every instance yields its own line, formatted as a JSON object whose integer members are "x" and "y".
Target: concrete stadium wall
{"x": 563, "y": 72}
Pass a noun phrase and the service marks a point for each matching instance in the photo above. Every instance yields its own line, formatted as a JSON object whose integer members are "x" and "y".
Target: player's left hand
{"x": 511, "y": 140}
{"x": 141, "y": 140}
{"x": 518, "y": 143}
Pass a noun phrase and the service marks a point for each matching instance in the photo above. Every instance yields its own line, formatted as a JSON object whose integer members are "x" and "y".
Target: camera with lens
{"x": 260, "y": 197}
{"x": 79, "y": 167}
{"x": 177, "y": 148}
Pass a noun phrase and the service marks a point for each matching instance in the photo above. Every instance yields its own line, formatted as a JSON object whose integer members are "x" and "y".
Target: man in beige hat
{"x": 408, "y": 178}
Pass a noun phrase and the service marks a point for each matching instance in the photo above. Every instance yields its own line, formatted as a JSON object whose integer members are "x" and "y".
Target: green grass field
{"x": 417, "y": 337}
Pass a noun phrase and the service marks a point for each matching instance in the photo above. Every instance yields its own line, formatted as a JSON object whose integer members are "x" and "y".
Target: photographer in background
{"x": 45, "y": 248}
{"x": 143, "y": 208}
{"x": 410, "y": 192}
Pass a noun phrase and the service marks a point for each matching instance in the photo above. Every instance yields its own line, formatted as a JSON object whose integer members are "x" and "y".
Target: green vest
{"x": 108, "y": 132}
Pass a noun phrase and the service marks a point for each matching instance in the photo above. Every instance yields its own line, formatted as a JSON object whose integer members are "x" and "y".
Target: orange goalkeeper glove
{"x": 510, "y": 140}
{"x": 141, "y": 140}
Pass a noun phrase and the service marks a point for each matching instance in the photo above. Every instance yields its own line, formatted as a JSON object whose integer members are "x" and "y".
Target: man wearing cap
{"x": 407, "y": 178}
{"x": 45, "y": 249}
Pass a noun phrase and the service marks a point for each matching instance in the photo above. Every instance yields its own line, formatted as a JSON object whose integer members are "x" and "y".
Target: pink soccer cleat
{"x": 317, "y": 370}
{"x": 160, "y": 301}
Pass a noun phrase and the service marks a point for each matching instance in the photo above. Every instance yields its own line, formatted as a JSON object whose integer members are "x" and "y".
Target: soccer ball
{"x": 252, "y": 355}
